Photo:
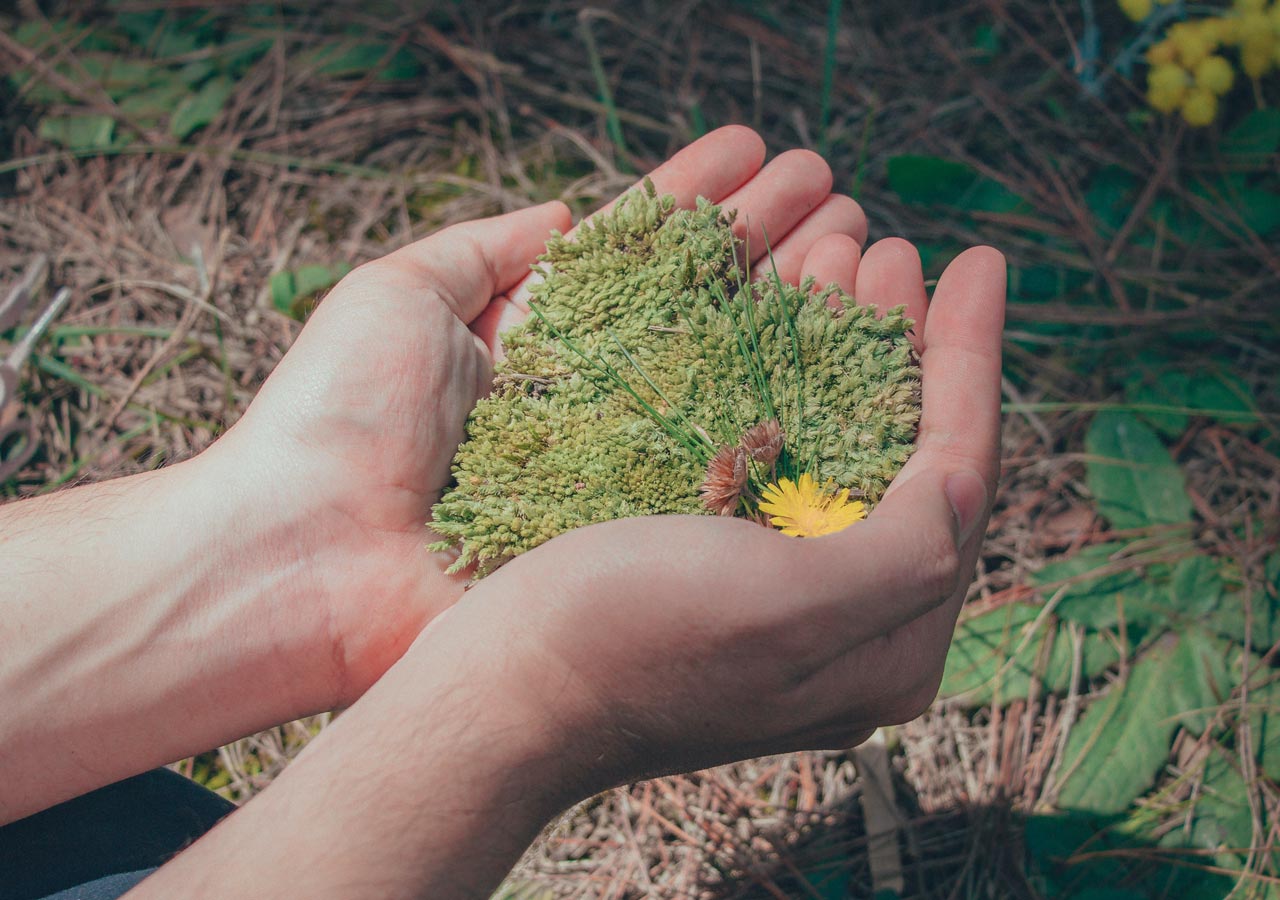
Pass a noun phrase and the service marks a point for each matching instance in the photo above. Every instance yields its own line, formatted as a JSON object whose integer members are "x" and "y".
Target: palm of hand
{"x": 355, "y": 431}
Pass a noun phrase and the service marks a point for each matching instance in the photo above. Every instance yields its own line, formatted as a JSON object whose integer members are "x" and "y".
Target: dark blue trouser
{"x": 98, "y": 846}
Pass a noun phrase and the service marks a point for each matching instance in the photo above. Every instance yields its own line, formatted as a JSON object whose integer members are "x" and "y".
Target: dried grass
{"x": 172, "y": 331}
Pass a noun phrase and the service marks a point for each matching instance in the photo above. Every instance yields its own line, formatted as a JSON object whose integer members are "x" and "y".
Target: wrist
{"x": 262, "y": 552}
{"x": 431, "y": 784}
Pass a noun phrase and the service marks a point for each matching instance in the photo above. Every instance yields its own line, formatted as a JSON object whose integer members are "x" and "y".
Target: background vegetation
{"x": 1108, "y": 727}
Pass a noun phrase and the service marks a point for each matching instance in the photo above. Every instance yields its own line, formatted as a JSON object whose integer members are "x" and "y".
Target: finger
{"x": 467, "y": 264}
{"x": 890, "y": 275}
{"x": 901, "y": 563}
{"x": 780, "y": 196}
{"x": 836, "y": 215}
{"x": 834, "y": 260}
{"x": 960, "y": 369}
{"x": 714, "y": 166}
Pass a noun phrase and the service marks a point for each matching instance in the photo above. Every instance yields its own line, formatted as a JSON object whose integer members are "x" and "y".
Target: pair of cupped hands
{"x": 661, "y": 643}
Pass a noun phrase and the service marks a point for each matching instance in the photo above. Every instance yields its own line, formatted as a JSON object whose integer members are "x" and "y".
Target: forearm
{"x": 431, "y": 785}
{"x": 131, "y": 636}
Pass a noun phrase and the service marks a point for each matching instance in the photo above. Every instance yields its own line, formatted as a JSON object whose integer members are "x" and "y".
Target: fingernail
{"x": 967, "y": 493}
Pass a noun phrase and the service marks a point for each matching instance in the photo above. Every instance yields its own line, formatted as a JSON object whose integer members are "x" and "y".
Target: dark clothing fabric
{"x": 98, "y": 846}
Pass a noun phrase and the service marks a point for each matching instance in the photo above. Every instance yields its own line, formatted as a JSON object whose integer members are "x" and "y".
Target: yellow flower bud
{"x": 1257, "y": 56}
{"x": 1191, "y": 44}
{"x": 1200, "y": 108}
{"x": 1214, "y": 75}
{"x": 1254, "y": 26}
{"x": 1215, "y": 30}
{"x": 1161, "y": 54}
{"x": 1229, "y": 30}
{"x": 1137, "y": 10}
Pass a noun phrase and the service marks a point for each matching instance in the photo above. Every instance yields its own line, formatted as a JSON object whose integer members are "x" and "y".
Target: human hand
{"x": 349, "y": 443}
{"x": 643, "y": 646}
{"x": 672, "y": 643}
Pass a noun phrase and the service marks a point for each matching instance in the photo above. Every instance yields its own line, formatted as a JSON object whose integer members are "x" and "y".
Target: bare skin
{"x": 282, "y": 572}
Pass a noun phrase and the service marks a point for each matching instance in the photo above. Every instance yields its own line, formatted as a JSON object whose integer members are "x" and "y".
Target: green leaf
{"x": 1083, "y": 590}
{"x": 199, "y": 109}
{"x": 1170, "y": 388}
{"x": 1122, "y": 741}
{"x": 1222, "y": 817}
{"x": 282, "y": 292}
{"x": 1229, "y": 620}
{"x": 1196, "y": 586}
{"x": 1223, "y": 396}
{"x": 293, "y": 292}
{"x": 1051, "y": 840}
{"x": 1260, "y": 209}
{"x": 78, "y": 132}
{"x": 195, "y": 72}
{"x": 1263, "y": 712}
{"x": 1109, "y": 198}
{"x": 155, "y": 102}
{"x": 312, "y": 278}
{"x": 1254, "y": 138}
{"x": 346, "y": 60}
{"x": 997, "y": 654}
{"x": 1132, "y": 476}
{"x": 929, "y": 180}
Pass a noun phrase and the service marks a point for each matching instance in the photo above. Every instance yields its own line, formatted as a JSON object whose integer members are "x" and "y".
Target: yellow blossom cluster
{"x": 1195, "y": 63}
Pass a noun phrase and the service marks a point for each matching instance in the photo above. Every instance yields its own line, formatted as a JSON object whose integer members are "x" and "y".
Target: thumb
{"x": 907, "y": 558}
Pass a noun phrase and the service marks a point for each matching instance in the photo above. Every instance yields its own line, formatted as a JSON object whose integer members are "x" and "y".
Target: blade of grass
{"x": 612, "y": 123}
{"x": 828, "y": 75}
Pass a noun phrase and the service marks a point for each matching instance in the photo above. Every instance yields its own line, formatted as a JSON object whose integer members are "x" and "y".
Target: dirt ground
{"x": 170, "y": 246}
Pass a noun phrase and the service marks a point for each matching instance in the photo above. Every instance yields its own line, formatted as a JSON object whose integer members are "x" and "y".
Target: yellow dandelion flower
{"x": 807, "y": 510}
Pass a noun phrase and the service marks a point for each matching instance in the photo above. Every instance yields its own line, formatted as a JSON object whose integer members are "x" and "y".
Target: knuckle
{"x": 939, "y": 571}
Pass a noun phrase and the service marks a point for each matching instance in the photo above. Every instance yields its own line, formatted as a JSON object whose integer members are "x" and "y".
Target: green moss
{"x": 652, "y": 296}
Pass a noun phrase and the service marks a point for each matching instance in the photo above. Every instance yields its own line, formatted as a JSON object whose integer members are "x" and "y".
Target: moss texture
{"x": 646, "y": 355}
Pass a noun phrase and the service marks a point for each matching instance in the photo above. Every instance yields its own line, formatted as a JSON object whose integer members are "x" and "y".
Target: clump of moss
{"x": 650, "y": 352}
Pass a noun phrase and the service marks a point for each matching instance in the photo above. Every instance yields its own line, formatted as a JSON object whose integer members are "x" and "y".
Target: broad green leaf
{"x": 293, "y": 291}
{"x": 1263, "y": 710}
{"x": 929, "y": 180}
{"x": 1109, "y": 198}
{"x": 1222, "y": 817}
{"x": 998, "y": 654}
{"x": 1170, "y": 388}
{"x": 1254, "y": 138}
{"x": 199, "y": 109}
{"x": 1051, "y": 840}
{"x": 78, "y": 132}
{"x": 195, "y": 72}
{"x": 1196, "y": 586}
{"x": 1133, "y": 478}
{"x": 1225, "y": 397}
{"x": 1260, "y": 209}
{"x": 1231, "y": 617}
{"x": 282, "y": 292}
{"x": 156, "y": 101}
{"x": 1122, "y": 741}
{"x": 1085, "y": 597}
{"x": 311, "y": 278}
{"x": 350, "y": 59}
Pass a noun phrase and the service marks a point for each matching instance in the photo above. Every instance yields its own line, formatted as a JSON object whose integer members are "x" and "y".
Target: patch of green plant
{"x": 1157, "y": 633}
{"x": 172, "y": 71}
{"x": 295, "y": 292}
